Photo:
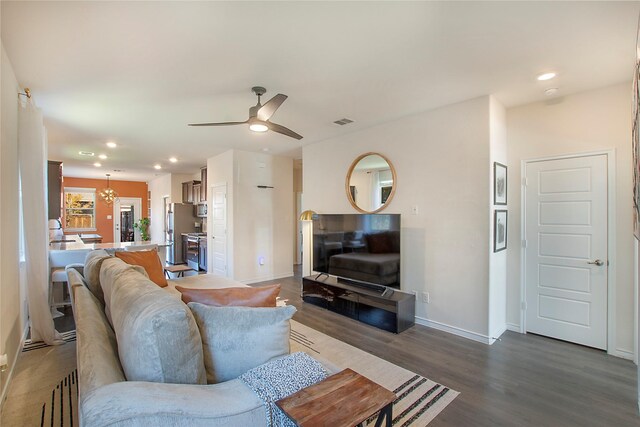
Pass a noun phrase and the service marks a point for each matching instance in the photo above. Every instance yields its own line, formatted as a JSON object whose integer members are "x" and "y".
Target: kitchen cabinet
{"x": 203, "y": 184}
{"x": 54, "y": 187}
{"x": 191, "y": 192}
{"x": 196, "y": 193}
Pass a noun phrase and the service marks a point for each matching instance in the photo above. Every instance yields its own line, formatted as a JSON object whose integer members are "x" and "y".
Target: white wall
{"x": 260, "y": 223}
{"x": 497, "y": 260}
{"x": 263, "y": 219}
{"x": 442, "y": 162}
{"x": 589, "y": 121}
{"x": 159, "y": 188}
{"x": 12, "y": 297}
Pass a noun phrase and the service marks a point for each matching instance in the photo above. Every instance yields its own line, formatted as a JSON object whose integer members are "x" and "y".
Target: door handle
{"x": 596, "y": 262}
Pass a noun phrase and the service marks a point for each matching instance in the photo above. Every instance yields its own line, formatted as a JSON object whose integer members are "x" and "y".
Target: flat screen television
{"x": 363, "y": 248}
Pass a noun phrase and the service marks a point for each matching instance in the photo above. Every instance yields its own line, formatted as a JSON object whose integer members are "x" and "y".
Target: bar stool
{"x": 58, "y": 260}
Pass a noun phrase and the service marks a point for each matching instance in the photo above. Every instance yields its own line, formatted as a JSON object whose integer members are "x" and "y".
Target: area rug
{"x": 53, "y": 400}
{"x": 35, "y": 345}
{"x": 419, "y": 399}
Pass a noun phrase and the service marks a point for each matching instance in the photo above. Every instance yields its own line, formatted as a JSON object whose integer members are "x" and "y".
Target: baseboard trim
{"x": 495, "y": 336}
{"x": 266, "y": 278}
{"x": 455, "y": 330}
{"x": 623, "y": 354}
{"x": 513, "y": 327}
{"x": 3, "y": 394}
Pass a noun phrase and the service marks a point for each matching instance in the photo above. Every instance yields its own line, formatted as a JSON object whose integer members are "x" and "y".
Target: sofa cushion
{"x": 236, "y": 339}
{"x": 263, "y": 296}
{"x": 158, "y": 339}
{"x": 92, "y": 263}
{"x": 149, "y": 260}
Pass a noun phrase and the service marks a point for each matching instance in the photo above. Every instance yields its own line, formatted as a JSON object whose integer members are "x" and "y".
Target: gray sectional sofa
{"x": 128, "y": 327}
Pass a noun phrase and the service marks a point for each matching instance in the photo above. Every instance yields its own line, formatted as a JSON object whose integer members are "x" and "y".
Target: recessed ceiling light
{"x": 265, "y": 149}
{"x": 173, "y": 159}
{"x": 103, "y": 156}
{"x": 111, "y": 144}
{"x": 86, "y": 153}
{"x": 97, "y": 164}
{"x": 551, "y": 91}
{"x": 546, "y": 76}
{"x": 157, "y": 166}
{"x": 118, "y": 170}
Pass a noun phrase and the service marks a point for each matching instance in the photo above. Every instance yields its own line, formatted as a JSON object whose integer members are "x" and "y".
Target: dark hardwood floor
{"x": 522, "y": 380}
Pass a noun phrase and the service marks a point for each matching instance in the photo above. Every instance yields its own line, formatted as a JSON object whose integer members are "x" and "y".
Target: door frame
{"x": 116, "y": 216}
{"x": 611, "y": 241}
{"x": 210, "y": 228}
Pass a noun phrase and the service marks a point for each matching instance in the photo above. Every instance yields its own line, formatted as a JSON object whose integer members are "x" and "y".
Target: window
{"x": 79, "y": 209}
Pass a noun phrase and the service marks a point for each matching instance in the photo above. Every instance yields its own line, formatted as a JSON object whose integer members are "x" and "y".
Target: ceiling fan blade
{"x": 271, "y": 106}
{"x": 218, "y": 124}
{"x": 283, "y": 130}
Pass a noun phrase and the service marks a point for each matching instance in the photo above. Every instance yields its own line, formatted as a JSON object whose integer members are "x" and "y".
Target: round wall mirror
{"x": 370, "y": 183}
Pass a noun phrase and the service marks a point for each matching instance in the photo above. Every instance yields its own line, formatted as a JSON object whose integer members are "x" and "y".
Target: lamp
{"x": 307, "y": 238}
{"x": 108, "y": 194}
{"x": 307, "y": 215}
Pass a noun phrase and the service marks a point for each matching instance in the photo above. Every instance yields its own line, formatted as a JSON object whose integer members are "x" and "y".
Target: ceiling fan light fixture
{"x": 258, "y": 127}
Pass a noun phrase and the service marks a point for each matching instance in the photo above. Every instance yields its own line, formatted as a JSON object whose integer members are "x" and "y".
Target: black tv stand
{"x": 380, "y": 306}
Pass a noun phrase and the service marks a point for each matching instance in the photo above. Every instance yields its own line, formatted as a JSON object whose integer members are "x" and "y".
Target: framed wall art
{"x": 499, "y": 184}
{"x": 499, "y": 230}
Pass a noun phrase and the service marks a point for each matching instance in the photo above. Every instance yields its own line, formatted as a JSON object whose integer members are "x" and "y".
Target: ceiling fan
{"x": 259, "y": 116}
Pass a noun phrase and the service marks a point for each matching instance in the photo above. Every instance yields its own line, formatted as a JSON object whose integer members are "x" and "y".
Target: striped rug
{"x": 419, "y": 399}
{"x": 62, "y": 407}
{"x": 35, "y": 345}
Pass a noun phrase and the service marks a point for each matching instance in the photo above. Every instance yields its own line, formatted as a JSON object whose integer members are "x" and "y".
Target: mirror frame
{"x": 350, "y": 171}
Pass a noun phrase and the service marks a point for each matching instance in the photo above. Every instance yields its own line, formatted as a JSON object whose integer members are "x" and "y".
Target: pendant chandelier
{"x": 108, "y": 194}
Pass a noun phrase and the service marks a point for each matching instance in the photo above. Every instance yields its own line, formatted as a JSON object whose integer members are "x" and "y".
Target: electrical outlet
{"x": 261, "y": 260}
{"x": 425, "y": 298}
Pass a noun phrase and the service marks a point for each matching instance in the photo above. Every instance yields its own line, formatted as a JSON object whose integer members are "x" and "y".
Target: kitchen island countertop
{"x": 77, "y": 244}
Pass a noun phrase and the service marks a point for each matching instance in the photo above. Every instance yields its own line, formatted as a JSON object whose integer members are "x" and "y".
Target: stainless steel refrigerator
{"x": 180, "y": 219}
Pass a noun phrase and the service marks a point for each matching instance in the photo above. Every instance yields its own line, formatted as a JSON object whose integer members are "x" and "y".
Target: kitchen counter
{"x": 77, "y": 245}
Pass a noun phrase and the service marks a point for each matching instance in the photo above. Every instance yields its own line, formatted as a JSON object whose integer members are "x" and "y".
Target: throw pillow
{"x": 92, "y": 264}
{"x": 264, "y": 296}
{"x": 147, "y": 259}
{"x": 158, "y": 339}
{"x": 236, "y": 339}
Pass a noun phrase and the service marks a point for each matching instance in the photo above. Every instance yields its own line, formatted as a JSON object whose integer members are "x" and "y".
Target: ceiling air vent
{"x": 86, "y": 153}
{"x": 343, "y": 122}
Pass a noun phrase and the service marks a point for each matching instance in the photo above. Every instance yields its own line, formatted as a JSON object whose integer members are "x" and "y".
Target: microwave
{"x": 200, "y": 210}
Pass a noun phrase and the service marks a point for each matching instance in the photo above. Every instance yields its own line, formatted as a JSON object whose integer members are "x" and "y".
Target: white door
{"x": 126, "y": 212}
{"x": 218, "y": 234}
{"x": 566, "y": 249}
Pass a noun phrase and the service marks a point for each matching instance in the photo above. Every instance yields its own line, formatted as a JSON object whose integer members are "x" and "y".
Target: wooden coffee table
{"x": 345, "y": 399}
